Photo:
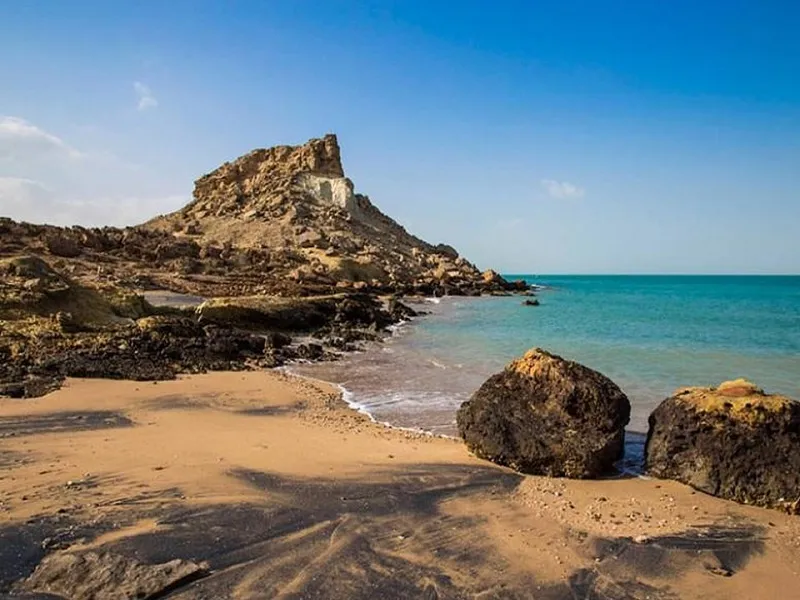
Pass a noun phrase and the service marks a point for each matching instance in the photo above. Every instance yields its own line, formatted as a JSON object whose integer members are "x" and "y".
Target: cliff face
{"x": 296, "y": 200}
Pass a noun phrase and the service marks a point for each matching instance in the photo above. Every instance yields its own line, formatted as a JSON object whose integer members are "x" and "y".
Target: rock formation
{"x": 544, "y": 415}
{"x": 296, "y": 202}
{"x": 108, "y": 576}
{"x": 277, "y": 240}
{"x": 733, "y": 441}
{"x": 225, "y": 334}
{"x": 281, "y": 220}
{"x": 30, "y": 287}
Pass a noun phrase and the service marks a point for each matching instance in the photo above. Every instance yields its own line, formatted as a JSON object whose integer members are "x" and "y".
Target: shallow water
{"x": 650, "y": 334}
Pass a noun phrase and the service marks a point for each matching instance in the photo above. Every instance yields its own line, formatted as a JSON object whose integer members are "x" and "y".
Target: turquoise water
{"x": 650, "y": 334}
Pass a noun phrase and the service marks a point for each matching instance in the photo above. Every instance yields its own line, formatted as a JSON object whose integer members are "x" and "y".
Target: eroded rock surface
{"x": 282, "y": 220}
{"x": 52, "y": 327}
{"x": 109, "y": 576}
{"x": 545, "y": 415}
{"x": 733, "y": 441}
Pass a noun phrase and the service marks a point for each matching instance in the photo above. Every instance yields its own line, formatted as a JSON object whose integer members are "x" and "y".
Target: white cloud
{"x": 32, "y": 201}
{"x": 562, "y": 189}
{"x": 20, "y": 139}
{"x": 145, "y": 96}
{"x": 22, "y": 191}
{"x": 41, "y": 182}
{"x": 120, "y": 211}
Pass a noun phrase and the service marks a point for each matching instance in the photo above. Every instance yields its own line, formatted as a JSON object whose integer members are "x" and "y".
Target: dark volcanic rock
{"x": 101, "y": 576}
{"x": 231, "y": 344}
{"x": 400, "y": 311}
{"x": 733, "y": 441}
{"x": 266, "y": 313}
{"x": 529, "y": 302}
{"x": 310, "y": 351}
{"x": 547, "y": 416}
{"x": 276, "y": 339}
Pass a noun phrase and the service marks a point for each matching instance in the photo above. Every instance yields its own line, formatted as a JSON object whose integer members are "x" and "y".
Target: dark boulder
{"x": 530, "y": 302}
{"x": 544, "y": 415}
{"x": 277, "y": 339}
{"x": 60, "y": 244}
{"x": 233, "y": 344}
{"x": 310, "y": 351}
{"x": 14, "y": 389}
{"x": 733, "y": 441}
{"x": 446, "y": 250}
{"x": 362, "y": 310}
{"x": 400, "y": 311}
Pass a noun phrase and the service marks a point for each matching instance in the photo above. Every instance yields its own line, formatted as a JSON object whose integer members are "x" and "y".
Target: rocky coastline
{"x": 225, "y": 482}
{"x": 544, "y": 415}
{"x": 277, "y": 243}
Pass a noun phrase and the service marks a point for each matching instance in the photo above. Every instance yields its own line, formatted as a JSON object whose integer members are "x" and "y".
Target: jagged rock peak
{"x": 255, "y": 183}
{"x": 319, "y": 156}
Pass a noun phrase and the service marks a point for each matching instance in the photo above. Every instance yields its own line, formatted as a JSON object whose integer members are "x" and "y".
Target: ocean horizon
{"x": 651, "y": 334}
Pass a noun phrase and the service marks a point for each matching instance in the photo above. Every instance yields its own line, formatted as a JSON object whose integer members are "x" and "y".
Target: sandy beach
{"x": 280, "y": 490}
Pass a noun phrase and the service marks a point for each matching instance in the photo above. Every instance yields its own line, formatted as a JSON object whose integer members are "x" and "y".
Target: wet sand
{"x": 281, "y": 491}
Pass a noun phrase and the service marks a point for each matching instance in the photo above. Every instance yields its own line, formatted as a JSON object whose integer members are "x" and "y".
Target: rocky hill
{"x": 281, "y": 220}
{"x": 277, "y": 242}
{"x": 294, "y": 209}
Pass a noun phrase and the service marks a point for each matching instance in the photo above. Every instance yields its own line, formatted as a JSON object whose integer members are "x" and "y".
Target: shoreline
{"x": 347, "y": 396}
{"x": 648, "y": 370}
{"x": 248, "y": 471}
{"x": 630, "y": 464}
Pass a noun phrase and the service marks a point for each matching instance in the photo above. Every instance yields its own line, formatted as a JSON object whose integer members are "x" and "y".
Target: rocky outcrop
{"x": 309, "y": 314}
{"x": 52, "y": 328}
{"x": 30, "y": 287}
{"x": 733, "y": 441}
{"x": 545, "y": 415}
{"x": 494, "y": 282}
{"x": 283, "y": 220}
{"x": 297, "y": 197}
{"x": 277, "y": 239}
{"x": 109, "y": 576}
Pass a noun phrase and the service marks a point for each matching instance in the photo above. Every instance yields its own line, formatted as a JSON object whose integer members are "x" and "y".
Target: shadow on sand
{"x": 391, "y": 537}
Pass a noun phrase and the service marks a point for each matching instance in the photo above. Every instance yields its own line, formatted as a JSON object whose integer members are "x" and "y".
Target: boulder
{"x": 530, "y": 302}
{"x": 545, "y": 415}
{"x": 126, "y": 303}
{"x": 59, "y": 244}
{"x": 310, "y": 352}
{"x": 276, "y": 339}
{"x": 232, "y": 344}
{"x": 492, "y": 277}
{"x": 100, "y": 576}
{"x": 733, "y": 441}
{"x": 400, "y": 311}
{"x": 446, "y": 250}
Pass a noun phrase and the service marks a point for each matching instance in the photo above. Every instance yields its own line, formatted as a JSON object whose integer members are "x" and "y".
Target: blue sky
{"x": 577, "y": 137}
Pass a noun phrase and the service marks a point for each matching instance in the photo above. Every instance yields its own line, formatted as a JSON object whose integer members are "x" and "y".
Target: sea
{"x": 649, "y": 334}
